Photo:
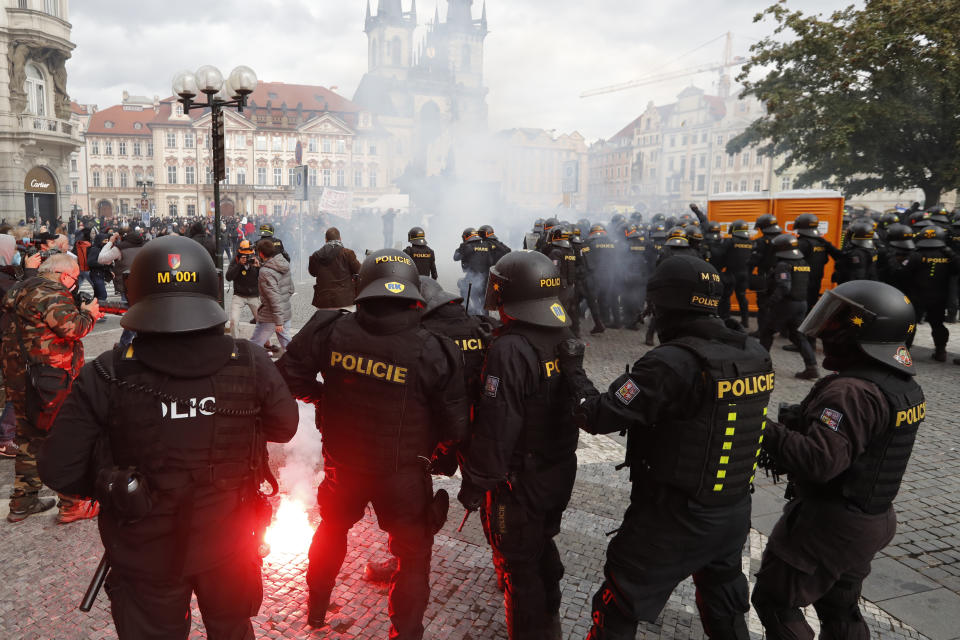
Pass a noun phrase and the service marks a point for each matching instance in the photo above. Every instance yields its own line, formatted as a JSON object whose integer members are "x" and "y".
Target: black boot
{"x": 940, "y": 354}
{"x": 810, "y": 373}
{"x": 791, "y": 347}
{"x": 597, "y": 327}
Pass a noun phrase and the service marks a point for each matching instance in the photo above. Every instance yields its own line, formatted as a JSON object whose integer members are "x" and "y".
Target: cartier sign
{"x": 39, "y": 180}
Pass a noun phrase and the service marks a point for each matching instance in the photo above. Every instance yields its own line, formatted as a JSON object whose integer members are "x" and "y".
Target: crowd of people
{"x": 165, "y": 435}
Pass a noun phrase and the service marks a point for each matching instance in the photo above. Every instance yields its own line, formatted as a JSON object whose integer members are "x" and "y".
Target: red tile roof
{"x": 122, "y": 120}
{"x": 313, "y": 98}
{"x": 79, "y": 109}
{"x": 627, "y": 131}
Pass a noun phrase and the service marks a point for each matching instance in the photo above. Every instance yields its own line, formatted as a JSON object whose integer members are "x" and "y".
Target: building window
{"x": 703, "y": 137}
{"x": 109, "y": 179}
{"x": 730, "y": 161}
{"x": 277, "y": 210}
{"x": 312, "y": 176}
{"x": 701, "y": 182}
{"x": 226, "y": 175}
{"x": 756, "y": 185}
{"x": 785, "y": 184}
{"x": 327, "y": 148}
{"x": 745, "y": 160}
{"x": 172, "y": 208}
{"x": 341, "y": 145}
{"x": 241, "y": 175}
{"x": 191, "y": 210}
{"x": 36, "y": 90}
{"x": 358, "y": 178}
{"x": 703, "y": 161}
{"x": 373, "y": 179}
{"x": 137, "y": 149}
{"x": 171, "y": 175}
{"x": 96, "y": 178}
{"x": 373, "y": 148}
{"x": 291, "y": 176}
{"x": 76, "y": 186}
{"x": 241, "y": 141}
{"x": 208, "y": 173}
{"x": 326, "y": 177}
{"x": 262, "y": 176}
{"x": 122, "y": 148}
{"x": 291, "y": 144}
{"x": 123, "y": 179}
{"x": 673, "y": 141}
{"x": 73, "y": 164}
{"x": 683, "y": 142}
{"x": 171, "y": 139}
{"x": 189, "y": 141}
{"x": 743, "y": 185}
{"x": 277, "y": 176}
{"x": 150, "y": 149}
{"x": 278, "y": 144}
{"x": 108, "y": 148}
{"x": 261, "y": 143}
{"x": 124, "y": 207}
{"x": 179, "y": 109}
{"x": 716, "y": 187}
{"x": 729, "y": 186}
{"x": 341, "y": 178}
{"x": 190, "y": 175}
{"x": 95, "y": 148}
{"x": 312, "y": 145}
{"x": 719, "y": 140}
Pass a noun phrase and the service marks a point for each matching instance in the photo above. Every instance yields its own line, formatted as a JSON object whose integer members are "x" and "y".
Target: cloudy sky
{"x": 540, "y": 54}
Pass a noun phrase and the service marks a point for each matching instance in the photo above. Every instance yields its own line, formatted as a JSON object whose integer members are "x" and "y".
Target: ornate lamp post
{"x": 143, "y": 183}
{"x": 233, "y": 93}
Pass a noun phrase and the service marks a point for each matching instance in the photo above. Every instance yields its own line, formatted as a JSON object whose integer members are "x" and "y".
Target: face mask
{"x": 17, "y": 258}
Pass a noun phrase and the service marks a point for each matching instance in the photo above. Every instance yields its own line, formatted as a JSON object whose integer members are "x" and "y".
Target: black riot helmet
{"x": 787, "y": 247}
{"x": 584, "y": 224}
{"x": 617, "y": 219}
{"x": 470, "y": 235}
{"x": 740, "y": 229}
{"x": 764, "y": 221}
{"x": 658, "y": 231}
{"x": 685, "y": 283}
{"x": 266, "y": 231}
{"x": 550, "y": 223}
{"x": 538, "y": 225}
{"x": 686, "y": 220}
{"x": 526, "y": 286}
{"x": 575, "y": 236}
{"x": 416, "y": 236}
{"x": 888, "y": 218}
{"x": 173, "y": 287}
{"x": 560, "y": 237}
{"x": 694, "y": 233}
{"x": 862, "y": 234}
{"x": 807, "y": 225}
{"x": 677, "y": 237}
{"x": 435, "y": 296}
{"x": 712, "y": 232}
{"x": 658, "y": 218}
{"x": 486, "y": 232}
{"x": 389, "y": 273}
{"x": 931, "y": 237}
{"x": 939, "y": 215}
{"x": 874, "y": 315}
{"x": 598, "y": 230}
{"x": 900, "y": 236}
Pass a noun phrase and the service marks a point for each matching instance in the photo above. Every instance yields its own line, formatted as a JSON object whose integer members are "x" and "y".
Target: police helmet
{"x": 900, "y": 236}
{"x": 670, "y": 222}
{"x": 538, "y": 225}
{"x": 658, "y": 218}
{"x": 550, "y": 223}
{"x": 787, "y": 247}
{"x": 245, "y": 248}
{"x": 807, "y": 225}
{"x": 526, "y": 285}
{"x": 739, "y": 229}
{"x": 931, "y": 237}
{"x": 583, "y": 223}
{"x": 266, "y": 230}
{"x": 659, "y": 232}
{"x": 470, "y": 235}
{"x": 633, "y": 231}
{"x": 173, "y": 287}
{"x": 772, "y": 231}
{"x": 862, "y": 234}
{"x": 486, "y": 231}
{"x": 686, "y": 220}
{"x": 677, "y": 237}
{"x": 389, "y": 273}
{"x": 877, "y": 316}
{"x": 416, "y": 236}
{"x": 764, "y": 221}
{"x": 598, "y": 230}
{"x": 939, "y": 215}
{"x": 685, "y": 283}
{"x": 888, "y": 218}
{"x": 694, "y": 233}
{"x": 434, "y": 295}
{"x": 712, "y": 232}
{"x": 617, "y": 219}
{"x": 560, "y": 237}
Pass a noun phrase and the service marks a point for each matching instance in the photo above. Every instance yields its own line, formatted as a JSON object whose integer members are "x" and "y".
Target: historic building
{"x": 37, "y": 136}
{"x": 533, "y": 164}
{"x": 151, "y": 147}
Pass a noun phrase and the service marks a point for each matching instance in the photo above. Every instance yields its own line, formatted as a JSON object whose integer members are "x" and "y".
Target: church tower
{"x": 390, "y": 38}
{"x": 463, "y": 41}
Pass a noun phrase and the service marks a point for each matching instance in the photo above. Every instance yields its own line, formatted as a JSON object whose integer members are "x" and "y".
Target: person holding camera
{"x": 170, "y": 435}
{"x": 42, "y": 353}
{"x": 845, "y": 449}
{"x": 243, "y": 272}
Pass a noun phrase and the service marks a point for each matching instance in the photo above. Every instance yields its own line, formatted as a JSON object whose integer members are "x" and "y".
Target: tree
{"x": 867, "y": 99}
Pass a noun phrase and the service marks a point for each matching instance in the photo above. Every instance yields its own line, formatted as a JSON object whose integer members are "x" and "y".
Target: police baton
{"x": 464, "y": 521}
{"x": 95, "y": 584}
{"x": 466, "y": 308}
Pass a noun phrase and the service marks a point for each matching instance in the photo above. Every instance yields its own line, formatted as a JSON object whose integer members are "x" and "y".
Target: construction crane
{"x": 729, "y": 60}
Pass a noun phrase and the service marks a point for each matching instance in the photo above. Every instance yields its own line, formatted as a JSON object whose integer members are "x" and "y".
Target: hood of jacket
{"x": 329, "y": 252}
{"x": 277, "y": 263}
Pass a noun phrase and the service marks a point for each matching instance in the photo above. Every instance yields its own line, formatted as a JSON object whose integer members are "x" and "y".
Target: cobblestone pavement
{"x": 45, "y": 567}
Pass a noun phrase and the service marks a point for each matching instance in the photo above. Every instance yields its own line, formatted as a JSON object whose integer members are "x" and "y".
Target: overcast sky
{"x": 540, "y": 54}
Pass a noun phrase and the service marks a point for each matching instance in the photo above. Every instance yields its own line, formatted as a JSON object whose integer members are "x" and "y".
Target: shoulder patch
{"x": 491, "y": 386}
{"x": 831, "y": 418}
{"x": 628, "y": 392}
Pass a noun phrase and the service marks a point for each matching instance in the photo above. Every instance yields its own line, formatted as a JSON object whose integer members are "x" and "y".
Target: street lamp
{"x": 230, "y": 93}
{"x": 143, "y": 183}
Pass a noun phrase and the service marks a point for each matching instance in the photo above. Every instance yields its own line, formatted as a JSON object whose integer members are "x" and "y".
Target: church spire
{"x": 413, "y": 11}
{"x": 483, "y": 18}
{"x": 436, "y": 14}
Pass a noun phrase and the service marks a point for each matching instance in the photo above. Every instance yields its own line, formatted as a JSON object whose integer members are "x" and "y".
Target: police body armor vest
{"x": 857, "y": 270}
{"x": 476, "y": 256}
{"x": 931, "y": 277}
{"x": 374, "y": 410}
{"x": 814, "y": 251}
{"x": 550, "y": 435}
{"x": 566, "y": 261}
{"x": 230, "y": 460}
{"x": 873, "y": 480}
{"x": 473, "y": 340}
{"x": 603, "y": 253}
{"x": 799, "y": 279}
{"x": 422, "y": 256}
{"x": 637, "y": 259}
{"x": 712, "y": 456}
{"x": 737, "y": 255}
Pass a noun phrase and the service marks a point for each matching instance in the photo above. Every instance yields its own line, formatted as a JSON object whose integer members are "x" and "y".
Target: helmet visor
{"x": 828, "y": 314}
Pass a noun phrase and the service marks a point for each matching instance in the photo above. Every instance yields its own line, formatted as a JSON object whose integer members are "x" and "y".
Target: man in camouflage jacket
{"x": 42, "y": 324}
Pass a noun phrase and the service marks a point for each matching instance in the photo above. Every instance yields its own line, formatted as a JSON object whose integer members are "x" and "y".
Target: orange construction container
{"x": 786, "y": 206}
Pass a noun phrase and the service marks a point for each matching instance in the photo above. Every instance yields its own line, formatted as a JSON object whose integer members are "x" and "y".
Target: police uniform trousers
{"x": 953, "y": 297}
{"x": 605, "y": 286}
{"x": 634, "y": 297}
{"x": 734, "y": 284}
{"x": 787, "y": 316}
{"x": 400, "y": 501}
{"x": 819, "y": 553}
{"x": 666, "y": 537}
{"x": 227, "y": 595}
{"x": 587, "y": 294}
{"x": 523, "y": 522}
{"x": 934, "y": 310}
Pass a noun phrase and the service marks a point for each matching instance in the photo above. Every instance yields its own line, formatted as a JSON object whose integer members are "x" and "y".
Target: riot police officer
{"x": 762, "y": 259}
{"x": 845, "y": 448}
{"x": 543, "y": 246}
{"x": 816, "y": 251}
{"x": 901, "y": 247}
{"x": 474, "y": 258}
{"x": 858, "y": 259}
{"x": 565, "y": 259}
{"x": 691, "y": 463}
{"x": 676, "y": 244}
{"x": 735, "y": 251}
{"x": 928, "y": 270}
{"x": 392, "y": 396}
{"x": 497, "y": 247}
{"x": 635, "y": 277}
{"x": 787, "y": 299}
{"x": 173, "y": 428}
{"x": 521, "y": 463}
{"x": 713, "y": 243}
{"x": 532, "y": 240}
{"x": 422, "y": 255}
{"x": 604, "y": 272}
{"x": 267, "y": 231}
{"x": 584, "y": 281}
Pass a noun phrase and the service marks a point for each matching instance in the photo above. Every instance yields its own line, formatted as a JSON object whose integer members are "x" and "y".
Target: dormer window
{"x": 108, "y": 124}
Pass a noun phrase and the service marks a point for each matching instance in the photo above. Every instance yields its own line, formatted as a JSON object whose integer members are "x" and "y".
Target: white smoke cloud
{"x": 302, "y": 468}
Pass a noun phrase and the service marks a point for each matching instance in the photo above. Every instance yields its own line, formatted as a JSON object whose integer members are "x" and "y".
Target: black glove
{"x": 470, "y": 495}
{"x": 570, "y": 353}
{"x": 444, "y": 461}
{"x": 733, "y": 325}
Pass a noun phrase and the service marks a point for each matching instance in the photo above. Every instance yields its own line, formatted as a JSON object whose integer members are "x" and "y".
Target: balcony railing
{"x": 45, "y": 125}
